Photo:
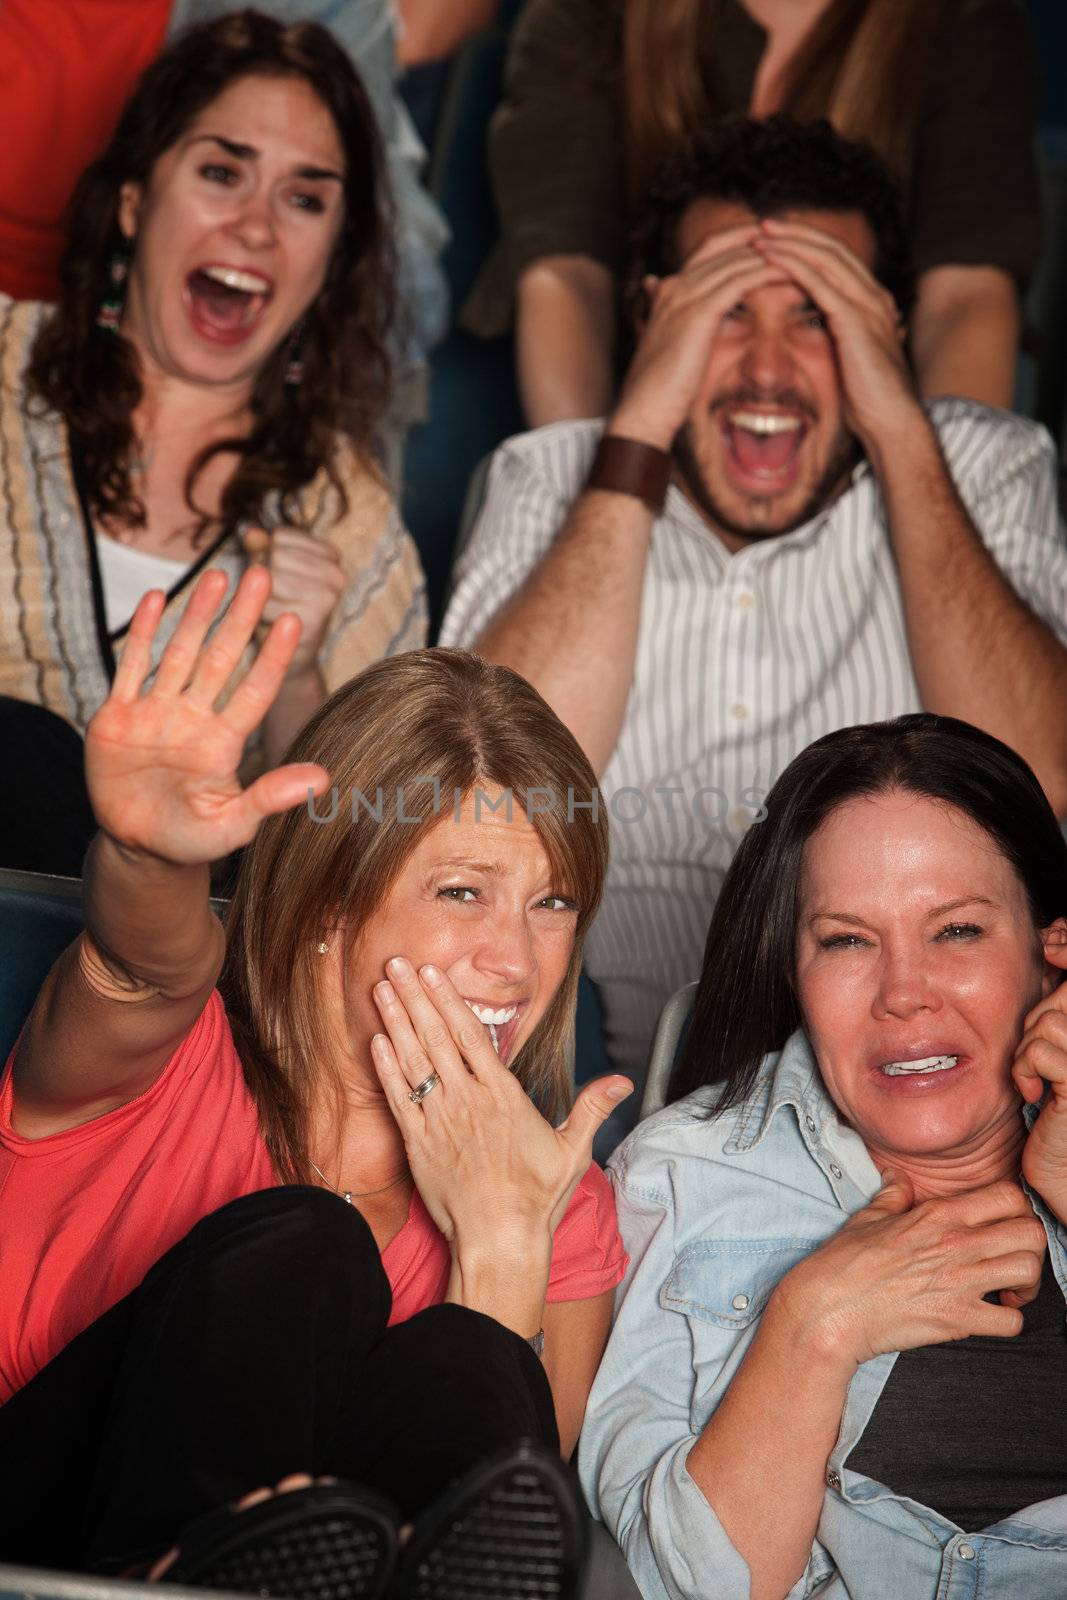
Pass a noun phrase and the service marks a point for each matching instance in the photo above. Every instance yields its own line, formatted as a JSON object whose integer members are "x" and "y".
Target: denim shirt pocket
{"x": 728, "y": 1282}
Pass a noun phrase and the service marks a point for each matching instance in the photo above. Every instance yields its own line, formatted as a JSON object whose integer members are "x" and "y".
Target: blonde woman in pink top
{"x": 279, "y": 1199}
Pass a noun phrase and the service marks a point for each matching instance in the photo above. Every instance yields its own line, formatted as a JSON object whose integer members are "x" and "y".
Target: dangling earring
{"x": 324, "y": 948}
{"x": 114, "y": 302}
{"x": 294, "y": 359}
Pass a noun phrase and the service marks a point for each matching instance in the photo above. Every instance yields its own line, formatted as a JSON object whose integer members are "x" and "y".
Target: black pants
{"x": 256, "y": 1347}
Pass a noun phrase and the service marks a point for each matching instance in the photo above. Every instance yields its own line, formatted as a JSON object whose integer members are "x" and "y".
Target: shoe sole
{"x": 329, "y": 1550}
{"x": 514, "y": 1535}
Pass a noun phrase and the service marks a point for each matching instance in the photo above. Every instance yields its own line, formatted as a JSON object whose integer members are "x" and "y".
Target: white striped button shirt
{"x": 742, "y": 660}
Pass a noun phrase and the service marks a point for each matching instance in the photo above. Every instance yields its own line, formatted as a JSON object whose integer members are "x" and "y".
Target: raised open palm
{"x": 161, "y": 763}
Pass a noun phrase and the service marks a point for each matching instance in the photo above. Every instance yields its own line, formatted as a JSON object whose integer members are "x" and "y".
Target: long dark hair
{"x": 861, "y": 65}
{"x": 92, "y": 377}
{"x": 746, "y": 1005}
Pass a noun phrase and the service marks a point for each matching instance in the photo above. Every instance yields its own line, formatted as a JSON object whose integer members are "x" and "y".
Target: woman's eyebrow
{"x": 936, "y": 911}
{"x": 967, "y": 900}
{"x": 248, "y": 152}
{"x": 494, "y": 868}
{"x": 838, "y": 916}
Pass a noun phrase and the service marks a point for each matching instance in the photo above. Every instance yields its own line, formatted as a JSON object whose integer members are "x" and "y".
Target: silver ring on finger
{"x": 421, "y": 1090}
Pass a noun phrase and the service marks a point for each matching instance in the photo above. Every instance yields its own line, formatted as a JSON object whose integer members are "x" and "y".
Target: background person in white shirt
{"x": 773, "y": 538}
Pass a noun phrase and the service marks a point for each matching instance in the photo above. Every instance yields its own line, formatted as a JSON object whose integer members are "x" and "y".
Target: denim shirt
{"x": 713, "y": 1213}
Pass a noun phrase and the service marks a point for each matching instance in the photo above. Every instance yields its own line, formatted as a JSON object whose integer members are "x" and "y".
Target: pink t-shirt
{"x": 85, "y": 1213}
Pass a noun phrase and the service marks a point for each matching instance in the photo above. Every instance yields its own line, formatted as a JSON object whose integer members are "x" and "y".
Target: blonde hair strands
{"x": 429, "y": 714}
{"x": 861, "y": 66}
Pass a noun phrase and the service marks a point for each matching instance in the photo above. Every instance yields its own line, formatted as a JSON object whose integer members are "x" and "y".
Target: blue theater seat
{"x": 39, "y": 916}
{"x": 671, "y": 1031}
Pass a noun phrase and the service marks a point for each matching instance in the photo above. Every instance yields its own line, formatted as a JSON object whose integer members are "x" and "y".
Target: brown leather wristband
{"x": 629, "y": 466}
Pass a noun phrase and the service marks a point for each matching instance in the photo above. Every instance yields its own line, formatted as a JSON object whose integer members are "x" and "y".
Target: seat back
{"x": 671, "y": 1031}
{"x": 473, "y": 398}
{"x": 34, "y": 1583}
{"x": 39, "y": 916}
{"x": 1047, "y": 302}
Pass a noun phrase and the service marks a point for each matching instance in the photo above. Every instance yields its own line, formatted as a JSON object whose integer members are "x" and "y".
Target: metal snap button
{"x": 739, "y": 1302}
{"x": 966, "y": 1552}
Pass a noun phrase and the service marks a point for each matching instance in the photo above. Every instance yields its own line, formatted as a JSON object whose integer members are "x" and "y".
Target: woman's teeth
{"x": 897, "y": 1069}
{"x": 487, "y": 1015}
{"x": 247, "y": 282}
{"x": 492, "y": 1019}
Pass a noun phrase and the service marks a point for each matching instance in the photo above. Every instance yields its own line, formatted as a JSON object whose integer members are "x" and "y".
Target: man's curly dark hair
{"x": 772, "y": 166}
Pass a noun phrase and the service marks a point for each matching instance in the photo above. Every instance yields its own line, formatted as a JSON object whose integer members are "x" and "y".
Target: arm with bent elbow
{"x": 565, "y": 339}
{"x": 739, "y": 1504}
{"x": 965, "y": 334}
{"x": 161, "y": 770}
{"x": 733, "y": 1508}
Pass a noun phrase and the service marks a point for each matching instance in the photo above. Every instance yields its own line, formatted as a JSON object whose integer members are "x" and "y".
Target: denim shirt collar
{"x": 789, "y": 1078}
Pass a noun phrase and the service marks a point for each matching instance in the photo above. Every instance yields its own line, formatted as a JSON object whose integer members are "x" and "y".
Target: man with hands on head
{"x": 772, "y": 536}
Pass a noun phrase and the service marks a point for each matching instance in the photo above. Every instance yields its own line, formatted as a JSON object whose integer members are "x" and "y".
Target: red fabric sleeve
{"x": 587, "y": 1253}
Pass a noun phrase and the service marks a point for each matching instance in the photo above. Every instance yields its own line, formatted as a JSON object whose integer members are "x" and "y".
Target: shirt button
{"x": 746, "y": 601}
{"x": 832, "y": 1479}
{"x": 809, "y": 1123}
{"x": 740, "y": 711}
{"x": 966, "y": 1552}
{"x": 739, "y": 1302}
{"x": 835, "y": 1169}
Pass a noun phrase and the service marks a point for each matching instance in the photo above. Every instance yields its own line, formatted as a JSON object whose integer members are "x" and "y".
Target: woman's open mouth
{"x": 502, "y": 1023}
{"x": 225, "y": 303}
{"x": 920, "y": 1074}
{"x": 763, "y": 447}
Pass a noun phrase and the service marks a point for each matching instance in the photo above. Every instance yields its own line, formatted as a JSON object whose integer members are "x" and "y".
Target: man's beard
{"x": 842, "y": 460}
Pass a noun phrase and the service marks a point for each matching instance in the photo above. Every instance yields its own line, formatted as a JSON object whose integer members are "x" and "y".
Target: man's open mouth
{"x": 764, "y": 445}
{"x": 225, "y": 302}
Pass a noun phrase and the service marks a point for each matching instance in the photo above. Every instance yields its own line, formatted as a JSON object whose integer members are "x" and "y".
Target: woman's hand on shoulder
{"x": 161, "y": 762}
{"x": 1040, "y": 1062}
{"x": 901, "y": 1274}
{"x": 495, "y": 1175}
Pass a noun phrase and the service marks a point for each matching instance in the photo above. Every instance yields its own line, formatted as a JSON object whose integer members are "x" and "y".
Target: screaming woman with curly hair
{"x": 206, "y": 390}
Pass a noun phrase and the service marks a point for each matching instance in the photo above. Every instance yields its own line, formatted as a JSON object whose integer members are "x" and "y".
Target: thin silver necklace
{"x": 347, "y": 1195}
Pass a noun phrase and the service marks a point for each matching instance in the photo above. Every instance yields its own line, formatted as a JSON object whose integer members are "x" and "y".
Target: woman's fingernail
{"x": 430, "y": 975}
{"x": 378, "y": 1044}
{"x": 398, "y": 967}
{"x": 619, "y": 1091}
{"x": 385, "y": 992}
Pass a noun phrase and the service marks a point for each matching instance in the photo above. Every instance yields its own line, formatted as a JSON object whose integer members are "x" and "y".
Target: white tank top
{"x": 127, "y": 573}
